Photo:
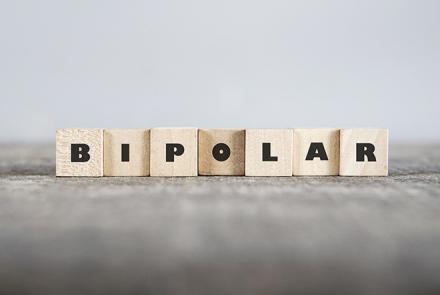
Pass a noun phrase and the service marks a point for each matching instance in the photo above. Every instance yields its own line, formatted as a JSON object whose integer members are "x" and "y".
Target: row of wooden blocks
{"x": 249, "y": 152}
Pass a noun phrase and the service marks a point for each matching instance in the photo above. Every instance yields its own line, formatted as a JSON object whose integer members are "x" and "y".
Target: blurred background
{"x": 240, "y": 63}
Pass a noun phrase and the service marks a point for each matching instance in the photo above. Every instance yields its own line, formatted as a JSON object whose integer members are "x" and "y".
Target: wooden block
{"x": 268, "y": 152}
{"x": 364, "y": 152}
{"x": 221, "y": 151}
{"x": 173, "y": 152}
{"x": 79, "y": 152}
{"x": 315, "y": 151}
{"x": 126, "y": 152}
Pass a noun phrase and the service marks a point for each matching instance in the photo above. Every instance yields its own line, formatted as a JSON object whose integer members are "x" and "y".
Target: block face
{"x": 126, "y": 152}
{"x": 78, "y": 163}
{"x": 175, "y": 163}
{"x": 211, "y": 141}
{"x": 311, "y": 148}
{"x": 356, "y": 147}
{"x": 280, "y": 143}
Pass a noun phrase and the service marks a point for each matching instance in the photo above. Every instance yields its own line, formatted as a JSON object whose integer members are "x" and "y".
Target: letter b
{"x": 79, "y": 152}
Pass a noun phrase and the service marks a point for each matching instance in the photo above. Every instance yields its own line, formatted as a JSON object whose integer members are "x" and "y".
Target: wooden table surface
{"x": 219, "y": 235}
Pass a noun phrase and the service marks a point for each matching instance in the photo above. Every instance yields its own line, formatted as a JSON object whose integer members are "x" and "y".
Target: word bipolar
{"x": 249, "y": 152}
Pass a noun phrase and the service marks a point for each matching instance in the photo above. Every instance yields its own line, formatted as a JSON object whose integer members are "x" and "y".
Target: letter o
{"x": 221, "y": 152}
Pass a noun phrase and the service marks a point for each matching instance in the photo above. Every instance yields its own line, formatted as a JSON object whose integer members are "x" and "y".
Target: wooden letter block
{"x": 315, "y": 151}
{"x": 269, "y": 152}
{"x": 221, "y": 151}
{"x": 173, "y": 152}
{"x": 126, "y": 152}
{"x": 364, "y": 152}
{"x": 79, "y": 152}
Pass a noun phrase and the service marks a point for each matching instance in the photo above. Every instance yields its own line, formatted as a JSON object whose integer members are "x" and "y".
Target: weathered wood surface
{"x": 219, "y": 235}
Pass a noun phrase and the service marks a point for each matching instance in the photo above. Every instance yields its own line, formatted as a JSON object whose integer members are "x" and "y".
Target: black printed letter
{"x": 221, "y": 152}
{"x": 365, "y": 149}
{"x": 79, "y": 152}
{"x": 125, "y": 152}
{"x": 266, "y": 153}
{"x": 316, "y": 149}
{"x": 173, "y": 149}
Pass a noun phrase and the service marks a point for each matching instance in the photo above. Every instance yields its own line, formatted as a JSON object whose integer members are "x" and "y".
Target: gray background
{"x": 230, "y": 63}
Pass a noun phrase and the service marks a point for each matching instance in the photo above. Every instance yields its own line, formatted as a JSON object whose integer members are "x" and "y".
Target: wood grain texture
{"x": 234, "y": 139}
{"x": 183, "y": 165}
{"x": 138, "y": 163}
{"x": 281, "y": 141}
{"x": 65, "y": 138}
{"x": 348, "y": 140}
{"x": 302, "y": 138}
